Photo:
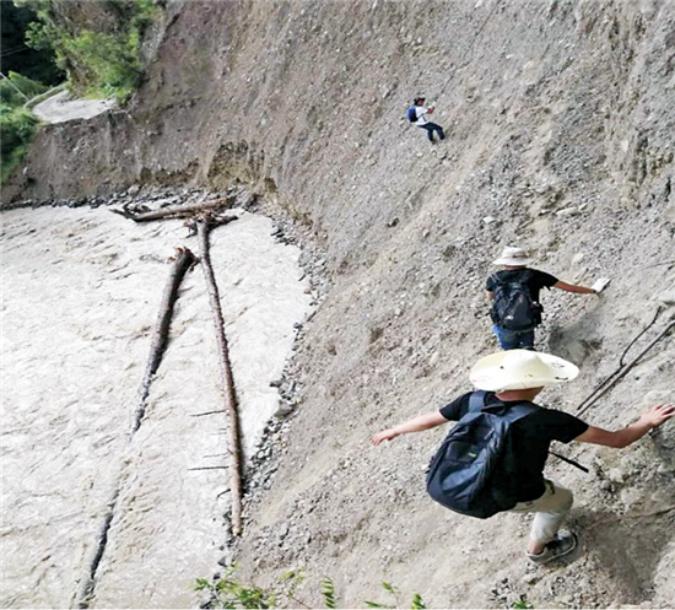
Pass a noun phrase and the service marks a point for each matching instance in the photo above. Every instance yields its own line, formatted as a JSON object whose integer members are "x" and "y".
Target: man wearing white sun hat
{"x": 507, "y": 384}
{"x": 514, "y": 295}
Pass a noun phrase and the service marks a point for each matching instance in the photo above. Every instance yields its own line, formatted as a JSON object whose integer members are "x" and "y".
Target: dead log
{"x": 229, "y": 394}
{"x": 182, "y": 262}
{"x": 208, "y": 413}
{"x": 214, "y": 219}
{"x": 85, "y": 593}
{"x": 185, "y": 211}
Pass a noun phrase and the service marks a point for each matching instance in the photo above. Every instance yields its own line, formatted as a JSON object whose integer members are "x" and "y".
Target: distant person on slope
{"x": 417, "y": 114}
{"x": 493, "y": 459}
{"x": 514, "y": 294}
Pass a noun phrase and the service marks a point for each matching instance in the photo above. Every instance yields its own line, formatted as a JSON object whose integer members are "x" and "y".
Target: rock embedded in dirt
{"x": 667, "y": 297}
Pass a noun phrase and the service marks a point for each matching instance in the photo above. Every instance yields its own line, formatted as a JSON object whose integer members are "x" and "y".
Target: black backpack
{"x": 461, "y": 475}
{"x": 513, "y": 307}
{"x": 412, "y": 114}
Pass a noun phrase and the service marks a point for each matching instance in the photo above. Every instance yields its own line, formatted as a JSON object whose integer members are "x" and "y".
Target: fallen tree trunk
{"x": 182, "y": 262}
{"x": 85, "y": 593}
{"x": 186, "y": 211}
{"x": 229, "y": 394}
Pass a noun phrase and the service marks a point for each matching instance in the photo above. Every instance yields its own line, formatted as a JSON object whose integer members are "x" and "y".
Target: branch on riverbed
{"x": 182, "y": 261}
{"x": 184, "y": 211}
{"x": 204, "y": 225}
{"x": 211, "y": 218}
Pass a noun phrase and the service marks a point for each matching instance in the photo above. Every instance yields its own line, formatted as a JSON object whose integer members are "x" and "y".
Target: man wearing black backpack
{"x": 417, "y": 115}
{"x": 493, "y": 459}
{"x": 514, "y": 293}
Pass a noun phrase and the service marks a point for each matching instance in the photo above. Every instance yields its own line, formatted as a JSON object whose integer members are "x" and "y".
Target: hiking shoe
{"x": 561, "y": 545}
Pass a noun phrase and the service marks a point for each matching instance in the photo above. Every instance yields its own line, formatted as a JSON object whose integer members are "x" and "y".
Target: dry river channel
{"x": 80, "y": 295}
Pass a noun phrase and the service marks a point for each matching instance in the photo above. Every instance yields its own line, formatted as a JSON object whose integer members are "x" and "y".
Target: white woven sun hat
{"x": 520, "y": 369}
{"x": 513, "y": 256}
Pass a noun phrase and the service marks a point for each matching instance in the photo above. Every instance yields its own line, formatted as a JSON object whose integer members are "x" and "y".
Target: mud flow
{"x": 80, "y": 294}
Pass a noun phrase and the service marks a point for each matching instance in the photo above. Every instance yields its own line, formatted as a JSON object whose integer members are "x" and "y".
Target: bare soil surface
{"x": 62, "y": 107}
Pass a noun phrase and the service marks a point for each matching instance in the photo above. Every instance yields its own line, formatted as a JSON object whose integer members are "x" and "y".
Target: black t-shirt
{"x": 535, "y": 280}
{"x": 526, "y": 449}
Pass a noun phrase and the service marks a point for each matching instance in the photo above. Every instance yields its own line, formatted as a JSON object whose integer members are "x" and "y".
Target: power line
{"x": 23, "y": 46}
{"x": 8, "y": 53}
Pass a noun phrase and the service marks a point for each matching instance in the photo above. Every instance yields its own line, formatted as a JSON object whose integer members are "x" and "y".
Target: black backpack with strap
{"x": 463, "y": 474}
{"x": 513, "y": 307}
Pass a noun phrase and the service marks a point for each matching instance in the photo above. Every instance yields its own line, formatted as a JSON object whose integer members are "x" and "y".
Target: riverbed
{"x": 81, "y": 290}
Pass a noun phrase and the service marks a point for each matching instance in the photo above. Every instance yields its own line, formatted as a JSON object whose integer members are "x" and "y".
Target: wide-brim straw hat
{"x": 513, "y": 256}
{"x": 520, "y": 369}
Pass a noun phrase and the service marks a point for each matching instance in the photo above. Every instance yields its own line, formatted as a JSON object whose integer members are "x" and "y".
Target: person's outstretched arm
{"x": 573, "y": 288}
{"x": 651, "y": 418}
{"x": 416, "y": 424}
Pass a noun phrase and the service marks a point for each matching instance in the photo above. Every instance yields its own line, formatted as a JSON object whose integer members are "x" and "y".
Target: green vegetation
{"x": 417, "y": 602}
{"x": 229, "y": 593}
{"x": 17, "y": 125}
{"x": 17, "y": 89}
{"x": 17, "y": 56}
{"x": 24, "y": 70}
{"x": 328, "y": 593}
{"x": 98, "y": 63}
{"x": 44, "y": 42}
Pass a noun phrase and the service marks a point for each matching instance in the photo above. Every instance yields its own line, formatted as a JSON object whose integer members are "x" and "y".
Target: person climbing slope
{"x": 417, "y": 114}
{"x": 514, "y": 294}
{"x": 493, "y": 459}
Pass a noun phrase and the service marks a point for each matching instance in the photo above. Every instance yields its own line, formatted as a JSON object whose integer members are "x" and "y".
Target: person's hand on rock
{"x": 658, "y": 414}
{"x": 385, "y": 435}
